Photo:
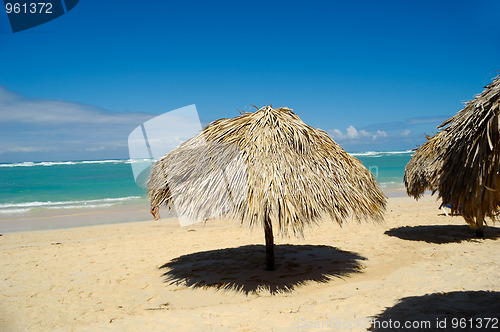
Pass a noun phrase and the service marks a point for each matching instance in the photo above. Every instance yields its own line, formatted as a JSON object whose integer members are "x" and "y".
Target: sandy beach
{"x": 420, "y": 265}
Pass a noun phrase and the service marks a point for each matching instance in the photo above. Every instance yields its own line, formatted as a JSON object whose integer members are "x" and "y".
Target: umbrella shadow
{"x": 440, "y": 234}
{"x": 443, "y": 312}
{"x": 243, "y": 268}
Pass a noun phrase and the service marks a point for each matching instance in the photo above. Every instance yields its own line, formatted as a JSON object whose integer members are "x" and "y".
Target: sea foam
{"x": 93, "y": 203}
{"x": 81, "y": 162}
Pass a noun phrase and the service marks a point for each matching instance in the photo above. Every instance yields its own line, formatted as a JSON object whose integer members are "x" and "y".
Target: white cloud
{"x": 47, "y": 129}
{"x": 95, "y": 148}
{"x": 26, "y": 149}
{"x": 426, "y": 120}
{"x": 352, "y": 134}
{"x": 399, "y": 135}
{"x": 406, "y": 133}
{"x": 15, "y": 108}
{"x": 337, "y": 134}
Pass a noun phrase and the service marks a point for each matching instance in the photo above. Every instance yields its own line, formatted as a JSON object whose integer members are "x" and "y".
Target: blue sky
{"x": 376, "y": 75}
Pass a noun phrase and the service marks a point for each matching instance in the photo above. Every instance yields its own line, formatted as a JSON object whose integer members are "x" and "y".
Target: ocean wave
{"x": 25, "y": 164}
{"x": 364, "y": 154}
{"x": 26, "y": 206}
{"x": 392, "y": 184}
{"x": 13, "y": 211}
{"x": 380, "y": 153}
{"x": 134, "y": 161}
{"x": 86, "y": 206}
{"x": 82, "y": 162}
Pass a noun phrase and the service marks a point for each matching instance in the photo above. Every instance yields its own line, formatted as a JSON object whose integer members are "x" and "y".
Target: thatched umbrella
{"x": 420, "y": 172}
{"x": 463, "y": 160}
{"x": 266, "y": 168}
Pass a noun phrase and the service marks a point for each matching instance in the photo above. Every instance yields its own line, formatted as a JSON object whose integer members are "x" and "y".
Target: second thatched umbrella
{"x": 266, "y": 168}
{"x": 462, "y": 161}
{"x": 421, "y": 171}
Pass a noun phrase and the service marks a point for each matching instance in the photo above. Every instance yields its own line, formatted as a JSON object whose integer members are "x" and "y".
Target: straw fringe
{"x": 270, "y": 161}
{"x": 421, "y": 170}
{"x": 462, "y": 162}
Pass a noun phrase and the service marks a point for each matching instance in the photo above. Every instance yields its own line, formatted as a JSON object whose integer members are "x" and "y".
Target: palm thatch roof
{"x": 420, "y": 172}
{"x": 464, "y": 159}
{"x": 265, "y": 168}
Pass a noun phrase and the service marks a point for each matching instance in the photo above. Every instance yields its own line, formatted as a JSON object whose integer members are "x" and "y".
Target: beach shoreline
{"x": 51, "y": 195}
{"x": 47, "y": 219}
{"x": 130, "y": 211}
{"x": 116, "y": 276}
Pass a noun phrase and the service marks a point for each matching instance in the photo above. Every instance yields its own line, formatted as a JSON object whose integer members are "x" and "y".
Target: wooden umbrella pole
{"x": 268, "y": 230}
{"x": 479, "y": 230}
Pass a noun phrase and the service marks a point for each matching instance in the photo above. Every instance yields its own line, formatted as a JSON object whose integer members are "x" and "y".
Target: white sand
{"x": 111, "y": 277}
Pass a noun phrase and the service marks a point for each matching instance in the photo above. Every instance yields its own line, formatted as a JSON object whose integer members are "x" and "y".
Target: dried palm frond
{"x": 420, "y": 172}
{"x": 469, "y": 180}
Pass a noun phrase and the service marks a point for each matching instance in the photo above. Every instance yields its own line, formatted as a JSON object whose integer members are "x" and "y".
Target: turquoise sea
{"x": 33, "y": 187}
